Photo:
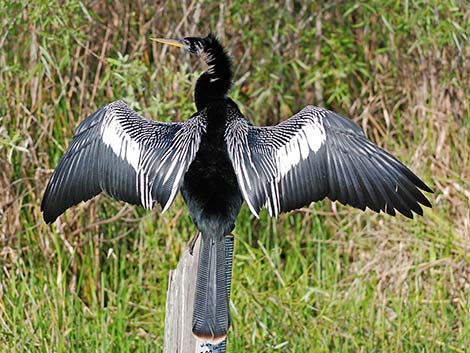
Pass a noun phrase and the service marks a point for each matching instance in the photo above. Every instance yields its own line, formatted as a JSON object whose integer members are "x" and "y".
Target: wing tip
{"x": 165, "y": 208}
{"x": 409, "y": 212}
{"x": 426, "y": 188}
{"x": 48, "y": 216}
{"x": 256, "y": 214}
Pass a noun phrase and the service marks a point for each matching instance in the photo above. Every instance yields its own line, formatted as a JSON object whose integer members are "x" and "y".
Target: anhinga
{"x": 218, "y": 159}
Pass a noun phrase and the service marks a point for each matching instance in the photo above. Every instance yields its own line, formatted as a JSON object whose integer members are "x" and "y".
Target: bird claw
{"x": 192, "y": 243}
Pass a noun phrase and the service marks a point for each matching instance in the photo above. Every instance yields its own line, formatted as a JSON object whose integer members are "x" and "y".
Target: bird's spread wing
{"x": 133, "y": 159}
{"x": 316, "y": 154}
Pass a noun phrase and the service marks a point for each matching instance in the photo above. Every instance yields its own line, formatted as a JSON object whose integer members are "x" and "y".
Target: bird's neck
{"x": 215, "y": 83}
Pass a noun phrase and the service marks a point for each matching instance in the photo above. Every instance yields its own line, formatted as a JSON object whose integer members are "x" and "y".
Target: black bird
{"x": 218, "y": 159}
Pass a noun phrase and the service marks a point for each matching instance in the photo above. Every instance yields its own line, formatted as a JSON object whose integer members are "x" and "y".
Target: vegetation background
{"x": 326, "y": 278}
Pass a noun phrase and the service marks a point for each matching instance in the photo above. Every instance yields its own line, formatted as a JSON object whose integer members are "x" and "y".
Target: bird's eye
{"x": 196, "y": 48}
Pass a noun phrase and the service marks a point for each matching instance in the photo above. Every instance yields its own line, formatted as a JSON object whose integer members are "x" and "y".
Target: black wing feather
{"x": 316, "y": 154}
{"x": 132, "y": 159}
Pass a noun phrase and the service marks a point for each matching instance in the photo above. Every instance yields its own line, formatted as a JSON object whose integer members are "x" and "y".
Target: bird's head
{"x": 215, "y": 82}
{"x": 206, "y": 47}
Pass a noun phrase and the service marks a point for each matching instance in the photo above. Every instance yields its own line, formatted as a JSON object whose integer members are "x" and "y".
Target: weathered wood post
{"x": 180, "y": 301}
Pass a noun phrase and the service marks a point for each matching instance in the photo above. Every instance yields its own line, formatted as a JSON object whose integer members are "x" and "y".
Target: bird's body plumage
{"x": 211, "y": 192}
{"x": 218, "y": 160}
{"x": 211, "y": 174}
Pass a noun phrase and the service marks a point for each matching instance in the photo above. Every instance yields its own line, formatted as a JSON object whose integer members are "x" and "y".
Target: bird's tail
{"x": 211, "y": 316}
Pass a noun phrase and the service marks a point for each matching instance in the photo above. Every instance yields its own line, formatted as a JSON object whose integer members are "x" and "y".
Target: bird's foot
{"x": 192, "y": 243}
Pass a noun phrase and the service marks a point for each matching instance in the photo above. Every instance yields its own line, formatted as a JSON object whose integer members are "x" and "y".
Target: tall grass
{"x": 326, "y": 278}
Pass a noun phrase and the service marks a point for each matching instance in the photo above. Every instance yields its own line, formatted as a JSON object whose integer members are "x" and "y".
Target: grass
{"x": 326, "y": 278}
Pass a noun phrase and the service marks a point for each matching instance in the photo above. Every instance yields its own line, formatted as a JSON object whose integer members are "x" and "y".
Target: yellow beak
{"x": 174, "y": 42}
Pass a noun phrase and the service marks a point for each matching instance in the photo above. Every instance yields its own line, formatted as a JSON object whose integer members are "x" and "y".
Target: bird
{"x": 218, "y": 160}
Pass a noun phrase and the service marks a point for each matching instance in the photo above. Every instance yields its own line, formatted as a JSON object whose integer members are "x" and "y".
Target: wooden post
{"x": 180, "y": 301}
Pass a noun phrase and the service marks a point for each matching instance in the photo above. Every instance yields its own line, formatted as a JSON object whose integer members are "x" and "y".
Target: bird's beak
{"x": 174, "y": 42}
